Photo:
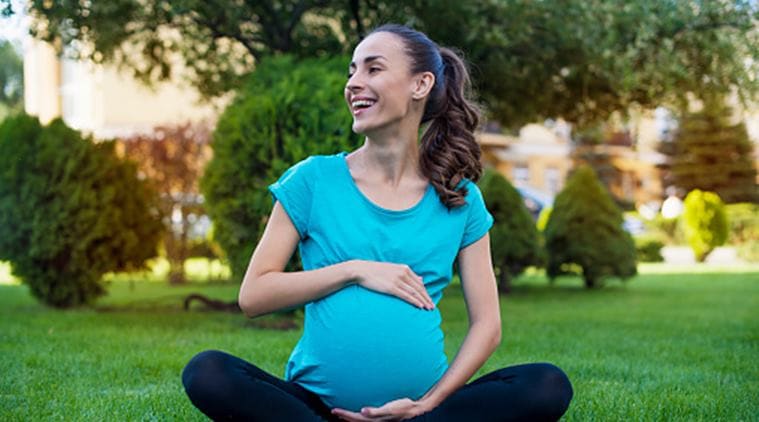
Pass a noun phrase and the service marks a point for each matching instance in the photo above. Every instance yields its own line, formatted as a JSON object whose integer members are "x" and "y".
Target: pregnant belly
{"x": 363, "y": 348}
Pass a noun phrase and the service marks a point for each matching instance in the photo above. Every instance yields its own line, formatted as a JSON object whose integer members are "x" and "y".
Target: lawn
{"x": 665, "y": 346}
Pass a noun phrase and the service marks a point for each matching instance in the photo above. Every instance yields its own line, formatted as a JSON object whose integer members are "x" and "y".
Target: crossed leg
{"x": 225, "y": 387}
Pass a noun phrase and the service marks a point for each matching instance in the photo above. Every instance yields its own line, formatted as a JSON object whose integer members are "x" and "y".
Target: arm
{"x": 484, "y": 334}
{"x": 266, "y": 288}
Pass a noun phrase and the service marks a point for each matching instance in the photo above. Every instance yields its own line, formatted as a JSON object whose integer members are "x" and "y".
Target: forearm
{"x": 275, "y": 290}
{"x": 480, "y": 342}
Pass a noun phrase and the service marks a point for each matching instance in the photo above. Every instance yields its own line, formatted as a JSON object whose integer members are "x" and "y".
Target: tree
{"x": 577, "y": 59}
{"x": 704, "y": 222}
{"x": 70, "y": 211}
{"x": 584, "y": 233}
{"x": 11, "y": 80}
{"x": 514, "y": 237}
{"x": 173, "y": 158}
{"x": 712, "y": 154}
{"x": 287, "y": 111}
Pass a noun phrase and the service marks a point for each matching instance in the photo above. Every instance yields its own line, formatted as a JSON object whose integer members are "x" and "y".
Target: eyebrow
{"x": 368, "y": 59}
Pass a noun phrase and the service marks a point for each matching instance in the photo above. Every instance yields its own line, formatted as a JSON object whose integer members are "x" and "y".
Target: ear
{"x": 422, "y": 85}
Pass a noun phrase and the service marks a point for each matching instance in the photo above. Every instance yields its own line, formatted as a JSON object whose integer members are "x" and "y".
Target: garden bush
{"x": 743, "y": 219}
{"x": 704, "y": 222}
{"x": 514, "y": 239}
{"x": 584, "y": 231}
{"x": 648, "y": 248}
{"x": 70, "y": 211}
{"x": 287, "y": 111}
{"x": 669, "y": 230}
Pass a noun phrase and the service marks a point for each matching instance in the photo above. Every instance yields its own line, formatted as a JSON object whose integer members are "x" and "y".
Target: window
{"x": 521, "y": 174}
{"x": 552, "y": 180}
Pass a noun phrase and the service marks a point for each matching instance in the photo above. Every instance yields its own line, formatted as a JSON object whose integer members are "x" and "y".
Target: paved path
{"x": 682, "y": 255}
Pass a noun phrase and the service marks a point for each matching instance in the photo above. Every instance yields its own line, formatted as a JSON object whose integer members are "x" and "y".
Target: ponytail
{"x": 449, "y": 151}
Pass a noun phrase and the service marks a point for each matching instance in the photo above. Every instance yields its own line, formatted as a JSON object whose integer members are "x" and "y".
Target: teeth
{"x": 359, "y": 103}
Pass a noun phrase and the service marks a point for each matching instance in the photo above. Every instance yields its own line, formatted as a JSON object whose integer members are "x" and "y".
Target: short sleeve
{"x": 479, "y": 220}
{"x": 295, "y": 191}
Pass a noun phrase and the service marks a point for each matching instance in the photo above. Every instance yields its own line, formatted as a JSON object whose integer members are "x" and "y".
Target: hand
{"x": 394, "y": 279}
{"x": 395, "y": 410}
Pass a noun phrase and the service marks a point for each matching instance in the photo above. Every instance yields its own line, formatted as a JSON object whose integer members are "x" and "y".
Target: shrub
{"x": 648, "y": 248}
{"x": 288, "y": 110}
{"x": 743, "y": 219}
{"x": 70, "y": 211}
{"x": 584, "y": 231}
{"x": 669, "y": 230}
{"x": 514, "y": 239}
{"x": 704, "y": 222}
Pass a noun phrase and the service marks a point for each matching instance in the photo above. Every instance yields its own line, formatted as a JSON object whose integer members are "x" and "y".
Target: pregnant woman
{"x": 378, "y": 230}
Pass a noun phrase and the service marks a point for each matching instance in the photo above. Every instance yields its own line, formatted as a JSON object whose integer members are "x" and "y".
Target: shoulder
{"x": 317, "y": 161}
{"x": 308, "y": 167}
{"x": 473, "y": 192}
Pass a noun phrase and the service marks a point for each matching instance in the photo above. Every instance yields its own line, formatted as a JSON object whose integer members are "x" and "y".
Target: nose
{"x": 354, "y": 83}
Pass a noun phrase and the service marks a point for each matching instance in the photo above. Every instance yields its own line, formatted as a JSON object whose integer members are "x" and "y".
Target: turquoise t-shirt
{"x": 360, "y": 347}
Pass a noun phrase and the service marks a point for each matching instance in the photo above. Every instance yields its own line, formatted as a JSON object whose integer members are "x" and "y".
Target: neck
{"x": 390, "y": 160}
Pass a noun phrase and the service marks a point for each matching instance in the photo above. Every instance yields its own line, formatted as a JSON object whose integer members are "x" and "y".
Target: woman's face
{"x": 380, "y": 87}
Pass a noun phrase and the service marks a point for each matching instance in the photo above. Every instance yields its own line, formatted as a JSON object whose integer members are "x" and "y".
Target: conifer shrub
{"x": 704, "y": 222}
{"x": 70, "y": 211}
{"x": 584, "y": 233}
{"x": 514, "y": 239}
{"x": 712, "y": 152}
{"x": 287, "y": 111}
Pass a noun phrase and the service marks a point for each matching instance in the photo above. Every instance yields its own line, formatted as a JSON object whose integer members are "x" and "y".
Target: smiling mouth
{"x": 359, "y": 106}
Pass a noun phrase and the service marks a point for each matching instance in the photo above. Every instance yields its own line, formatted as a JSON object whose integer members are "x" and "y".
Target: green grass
{"x": 664, "y": 346}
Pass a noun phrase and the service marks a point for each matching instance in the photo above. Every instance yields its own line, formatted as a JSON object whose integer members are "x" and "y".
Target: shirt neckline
{"x": 346, "y": 171}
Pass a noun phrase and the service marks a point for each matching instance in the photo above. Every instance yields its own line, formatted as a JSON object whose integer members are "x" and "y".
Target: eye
{"x": 372, "y": 69}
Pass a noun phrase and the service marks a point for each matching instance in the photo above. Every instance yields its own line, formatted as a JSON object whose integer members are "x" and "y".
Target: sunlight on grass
{"x": 196, "y": 269}
{"x": 5, "y": 274}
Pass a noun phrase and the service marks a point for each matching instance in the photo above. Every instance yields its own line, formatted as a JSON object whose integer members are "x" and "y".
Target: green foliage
{"x": 11, "y": 79}
{"x": 744, "y": 229}
{"x": 648, "y": 248}
{"x": 585, "y": 231}
{"x": 712, "y": 153}
{"x": 70, "y": 211}
{"x": 514, "y": 240}
{"x": 578, "y": 59}
{"x": 286, "y": 112}
{"x": 669, "y": 230}
{"x": 704, "y": 222}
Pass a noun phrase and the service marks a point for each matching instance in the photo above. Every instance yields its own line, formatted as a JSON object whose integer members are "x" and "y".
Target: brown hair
{"x": 449, "y": 151}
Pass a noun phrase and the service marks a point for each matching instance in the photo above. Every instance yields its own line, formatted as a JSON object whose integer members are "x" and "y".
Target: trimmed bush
{"x": 704, "y": 222}
{"x": 584, "y": 233}
{"x": 70, "y": 211}
{"x": 287, "y": 111}
{"x": 514, "y": 239}
{"x": 648, "y": 248}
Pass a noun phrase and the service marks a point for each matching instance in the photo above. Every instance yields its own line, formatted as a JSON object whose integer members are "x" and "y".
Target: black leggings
{"x": 225, "y": 387}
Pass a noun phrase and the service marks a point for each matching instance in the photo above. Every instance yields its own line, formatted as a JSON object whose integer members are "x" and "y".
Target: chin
{"x": 362, "y": 128}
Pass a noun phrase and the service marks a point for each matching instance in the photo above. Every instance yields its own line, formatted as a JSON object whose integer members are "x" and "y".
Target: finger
{"x": 376, "y": 412}
{"x": 419, "y": 281}
{"x": 408, "y": 294}
{"x": 349, "y": 416}
{"x": 416, "y": 282}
